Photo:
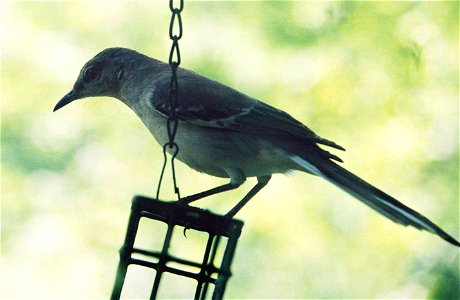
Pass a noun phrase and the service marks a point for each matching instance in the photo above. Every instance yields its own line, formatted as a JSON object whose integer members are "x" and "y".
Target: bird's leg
{"x": 233, "y": 184}
{"x": 261, "y": 182}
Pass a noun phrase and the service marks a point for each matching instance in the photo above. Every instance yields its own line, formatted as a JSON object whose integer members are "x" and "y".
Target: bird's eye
{"x": 90, "y": 74}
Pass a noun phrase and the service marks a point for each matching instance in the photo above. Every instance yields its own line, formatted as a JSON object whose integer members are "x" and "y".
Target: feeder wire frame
{"x": 190, "y": 218}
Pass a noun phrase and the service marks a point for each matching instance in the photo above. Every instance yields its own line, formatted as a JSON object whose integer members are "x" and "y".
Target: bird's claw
{"x": 186, "y": 227}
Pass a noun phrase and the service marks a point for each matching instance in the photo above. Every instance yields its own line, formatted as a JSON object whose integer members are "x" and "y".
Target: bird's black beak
{"x": 69, "y": 97}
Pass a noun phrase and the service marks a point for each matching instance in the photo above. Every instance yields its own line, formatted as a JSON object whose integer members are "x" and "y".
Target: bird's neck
{"x": 139, "y": 79}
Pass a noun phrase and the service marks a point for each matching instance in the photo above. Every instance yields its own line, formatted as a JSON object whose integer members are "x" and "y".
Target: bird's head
{"x": 99, "y": 77}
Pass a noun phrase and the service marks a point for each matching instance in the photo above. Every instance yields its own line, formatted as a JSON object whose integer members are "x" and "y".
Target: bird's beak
{"x": 69, "y": 97}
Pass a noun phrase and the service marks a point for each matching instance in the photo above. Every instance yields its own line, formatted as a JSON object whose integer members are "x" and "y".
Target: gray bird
{"x": 224, "y": 133}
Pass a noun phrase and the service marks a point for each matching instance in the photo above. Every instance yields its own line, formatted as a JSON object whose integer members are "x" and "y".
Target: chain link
{"x": 172, "y": 122}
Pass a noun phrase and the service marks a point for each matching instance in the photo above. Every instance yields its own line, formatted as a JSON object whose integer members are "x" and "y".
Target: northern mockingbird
{"x": 225, "y": 133}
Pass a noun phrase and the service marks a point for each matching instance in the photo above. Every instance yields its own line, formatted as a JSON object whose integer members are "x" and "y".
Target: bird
{"x": 225, "y": 133}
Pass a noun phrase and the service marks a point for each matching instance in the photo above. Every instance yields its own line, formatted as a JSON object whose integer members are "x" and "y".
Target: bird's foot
{"x": 184, "y": 201}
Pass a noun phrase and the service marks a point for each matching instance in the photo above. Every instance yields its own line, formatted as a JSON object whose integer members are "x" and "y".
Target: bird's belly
{"x": 217, "y": 153}
{"x": 220, "y": 153}
{"x": 222, "y": 160}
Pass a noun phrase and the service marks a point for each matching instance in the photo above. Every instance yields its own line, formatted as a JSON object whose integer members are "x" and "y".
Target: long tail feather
{"x": 370, "y": 195}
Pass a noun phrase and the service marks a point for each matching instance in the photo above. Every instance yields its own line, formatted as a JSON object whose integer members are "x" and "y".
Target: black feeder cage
{"x": 189, "y": 218}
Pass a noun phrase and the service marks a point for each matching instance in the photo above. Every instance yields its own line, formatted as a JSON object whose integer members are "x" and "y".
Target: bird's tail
{"x": 370, "y": 195}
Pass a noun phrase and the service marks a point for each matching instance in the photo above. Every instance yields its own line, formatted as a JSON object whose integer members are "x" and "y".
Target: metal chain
{"x": 172, "y": 122}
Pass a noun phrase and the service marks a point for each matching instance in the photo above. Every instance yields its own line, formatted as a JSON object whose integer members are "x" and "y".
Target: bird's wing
{"x": 206, "y": 103}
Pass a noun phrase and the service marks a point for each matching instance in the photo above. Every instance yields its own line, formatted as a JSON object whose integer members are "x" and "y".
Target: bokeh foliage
{"x": 379, "y": 78}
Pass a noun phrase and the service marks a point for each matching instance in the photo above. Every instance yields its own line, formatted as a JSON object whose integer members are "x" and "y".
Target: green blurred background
{"x": 379, "y": 78}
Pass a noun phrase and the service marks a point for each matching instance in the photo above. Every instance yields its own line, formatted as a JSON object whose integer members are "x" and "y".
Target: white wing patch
{"x": 232, "y": 119}
{"x": 222, "y": 122}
